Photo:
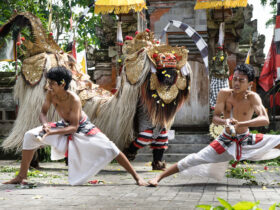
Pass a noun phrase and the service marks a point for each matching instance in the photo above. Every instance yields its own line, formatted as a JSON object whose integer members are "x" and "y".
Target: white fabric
{"x": 87, "y": 155}
{"x": 208, "y": 163}
{"x": 153, "y": 68}
{"x": 221, "y": 34}
{"x": 119, "y": 33}
{"x": 186, "y": 69}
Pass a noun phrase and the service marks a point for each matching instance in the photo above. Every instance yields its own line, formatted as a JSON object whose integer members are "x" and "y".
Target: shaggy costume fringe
{"x": 163, "y": 116}
{"x": 116, "y": 117}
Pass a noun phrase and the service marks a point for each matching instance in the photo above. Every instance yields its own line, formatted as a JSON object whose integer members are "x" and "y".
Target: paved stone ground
{"x": 118, "y": 190}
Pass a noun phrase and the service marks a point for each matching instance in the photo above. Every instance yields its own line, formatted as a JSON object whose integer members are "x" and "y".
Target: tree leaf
{"x": 273, "y": 207}
{"x": 244, "y": 205}
{"x": 205, "y": 207}
{"x": 225, "y": 204}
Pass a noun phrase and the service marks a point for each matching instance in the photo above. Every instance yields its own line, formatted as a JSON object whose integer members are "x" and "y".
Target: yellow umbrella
{"x": 218, "y": 4}
{"x": 119, "y": 6}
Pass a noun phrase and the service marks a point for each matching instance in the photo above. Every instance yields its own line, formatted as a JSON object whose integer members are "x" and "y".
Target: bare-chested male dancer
{"x": 237, "y": 106}
{"x": 89, "y": 150}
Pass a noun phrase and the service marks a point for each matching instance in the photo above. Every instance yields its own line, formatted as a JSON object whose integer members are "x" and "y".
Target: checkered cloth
{"x": 215, "y": 86}
{"x": 199, "y": 41}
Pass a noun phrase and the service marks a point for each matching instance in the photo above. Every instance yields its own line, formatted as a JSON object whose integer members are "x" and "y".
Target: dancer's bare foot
{"x": 153, "y": 182}
{"x": 141, "y": 182}
{"x": 17, "y": 180}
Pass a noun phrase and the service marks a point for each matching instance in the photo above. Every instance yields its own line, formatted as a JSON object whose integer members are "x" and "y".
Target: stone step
{"x": 177, "y": 148}
{"x": 175, "y": 157}
{"x": 190, "y": 139}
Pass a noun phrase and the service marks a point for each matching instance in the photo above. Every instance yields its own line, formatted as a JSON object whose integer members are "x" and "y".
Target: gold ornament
{"x": 181, "y": 82}
{"x": 42, "y": 42}
{"x": 215, "y": 130}
{"x": 134, "y": 65}
{"x": 154, "y": 83}
{"x": 166, "y": 93}
{"x": 33, "y": 68}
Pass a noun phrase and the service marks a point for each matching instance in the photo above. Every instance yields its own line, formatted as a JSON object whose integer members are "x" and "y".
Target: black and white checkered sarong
{"x": 215, "y": 86}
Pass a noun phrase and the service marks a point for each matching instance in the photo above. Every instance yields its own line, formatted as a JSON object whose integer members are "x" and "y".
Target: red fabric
{"x": 137, "y": 145}
{"x": 74, "y": 52}
{"x": 268, "y": 73}
{"x": 217, "y": 147}
{"x": 69, "y": 138}
{"x": 238, "y": 148}
{"x": 259, "y": 137}
{"x": 163, "y": 132}
{"x": 53, "y": 125}
{"x": 148, "y": 131}
{"x": 93, "y": 131}
{"x": 277, "y": 24}
{"x": 277, "y": 100}
{"x": 143, "y": 139}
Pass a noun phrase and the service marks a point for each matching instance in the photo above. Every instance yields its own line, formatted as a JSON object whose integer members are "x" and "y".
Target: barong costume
{"x": 89, "y": 150}
{"x": 212, "y": 161}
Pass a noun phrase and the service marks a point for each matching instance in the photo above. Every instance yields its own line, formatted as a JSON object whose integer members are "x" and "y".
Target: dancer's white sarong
{"x": 87, "y": 154}
{"x": 212, "y": 161}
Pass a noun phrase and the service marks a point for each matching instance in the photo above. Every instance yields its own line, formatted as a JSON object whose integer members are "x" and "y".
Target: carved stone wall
{"x": 240, "y": 29}
{"x": 7, "y": 103}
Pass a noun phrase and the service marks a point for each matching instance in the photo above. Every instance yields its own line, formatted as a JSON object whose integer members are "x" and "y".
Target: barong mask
{"x": 167, "y": 84}
{"x": 167, "y": 77}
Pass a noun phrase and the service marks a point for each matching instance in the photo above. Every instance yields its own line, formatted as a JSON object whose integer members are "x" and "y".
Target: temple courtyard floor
{"x": 114, "y": 188}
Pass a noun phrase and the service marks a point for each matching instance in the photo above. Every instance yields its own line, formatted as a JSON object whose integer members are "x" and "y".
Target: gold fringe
{"x": 119, "y": 9}
{"x": 216, "y": 4}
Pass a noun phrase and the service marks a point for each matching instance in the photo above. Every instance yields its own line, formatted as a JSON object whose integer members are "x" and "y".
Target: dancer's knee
{"x": 29, "y": 141}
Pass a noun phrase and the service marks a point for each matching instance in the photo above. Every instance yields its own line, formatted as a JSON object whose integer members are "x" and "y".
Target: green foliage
{"x": 5, "y": 169}
{"x": 61, "y": 13}
{"x": 225, "y": 203}
{"x": 272, "y": 132}
{"x": 44, "y": 154}
{"x": 39, "y": 174}
{"x": 11, "y": 66}
{"x": 273, "y": 4}
{"x": 240, "y": 173}
{"x": 242, "y": 205}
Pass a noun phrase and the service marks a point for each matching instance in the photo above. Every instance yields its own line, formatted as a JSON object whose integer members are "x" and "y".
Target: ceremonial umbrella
{"x": 119, "y": 7}
{"x": 219, "y": 4}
